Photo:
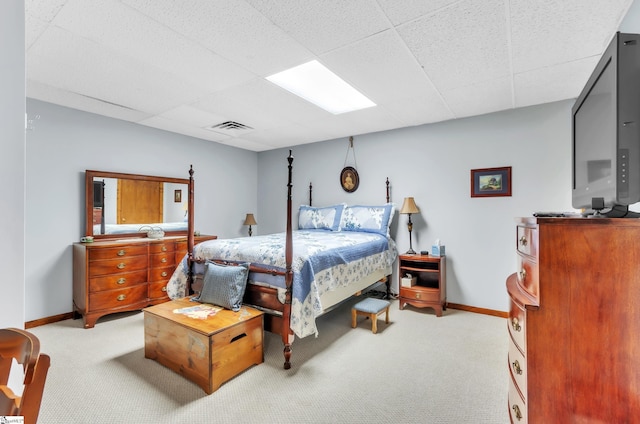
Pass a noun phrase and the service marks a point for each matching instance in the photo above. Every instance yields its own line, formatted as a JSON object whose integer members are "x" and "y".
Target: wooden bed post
{"x": 288, "y": 279}
{"x": 190, "y": 232}
{"x": 388, "y": 197}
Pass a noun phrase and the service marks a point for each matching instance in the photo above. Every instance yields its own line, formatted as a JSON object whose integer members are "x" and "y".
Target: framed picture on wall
{"x": 177, "y": 196}
{"x": 349, "y": 179}
{"x": 491, "y": 182}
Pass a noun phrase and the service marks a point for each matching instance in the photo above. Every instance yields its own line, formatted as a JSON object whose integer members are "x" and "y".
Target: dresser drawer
{"x": 518, "y": 367}
{"x": 527, "y": 240}
{"x": 113, "y": 299}
{"x": 116, "y": 266}
{"x": 117, "y": 281}
{"x": 162, "y": 247}
{"x": 420, "y": 294}
{"x": 517, "y": 324}
{"x": 528, "y": 275}
{"x": 158, "y": 290}
{"x": 517, "y": 406}
{"x": 117, "y": 252}
{"x": 161, "y": 274}
{"x": 162, "y": 259}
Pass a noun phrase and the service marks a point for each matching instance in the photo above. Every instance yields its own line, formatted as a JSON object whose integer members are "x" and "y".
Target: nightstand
{"x": 428, "y": 289}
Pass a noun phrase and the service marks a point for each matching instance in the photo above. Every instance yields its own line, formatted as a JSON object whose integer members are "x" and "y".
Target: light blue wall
{"x": 432, "y": 163}
{"x": 12, "y": 168}
{"x": 65, "y": 142}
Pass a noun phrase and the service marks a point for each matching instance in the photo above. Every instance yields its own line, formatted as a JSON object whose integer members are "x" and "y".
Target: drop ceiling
{"x": 198, "y": 67}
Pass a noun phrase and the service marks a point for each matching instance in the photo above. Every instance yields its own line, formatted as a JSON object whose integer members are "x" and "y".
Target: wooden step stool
{"x": 370, "y": 307}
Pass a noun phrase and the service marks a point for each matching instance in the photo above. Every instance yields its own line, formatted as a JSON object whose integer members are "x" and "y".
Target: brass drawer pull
{"x": 516, "y": 367}
{"x": 515, "y": 324}
{"x": 121, "y": 297}
{"x": 418, "y": 295}
{"x": 121, "y": 265}
{"x": 163, "y": 260}
{"x": 164, "y": 248}
{"x": 121, "y": 252}
{"x": 121, "y": 281}
{"x": 523, "y": 274}
{"x": 523, "y": 241}
{"x": 164, "y": 289}
{"x": 164, "y": 273}
{"x": 516, "y": 409}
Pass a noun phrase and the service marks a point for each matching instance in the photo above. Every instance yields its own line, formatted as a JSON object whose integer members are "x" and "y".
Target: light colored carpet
{"x": 417, "y": 369}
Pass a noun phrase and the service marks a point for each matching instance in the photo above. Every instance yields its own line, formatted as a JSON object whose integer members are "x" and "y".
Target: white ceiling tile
{"x": 230, "y": 28}
{"x": 243, "y": 143}
{"x": 554, "y": 83}
{"x": 381, "y": 67}
{"x": 122, "y": 29}
{"x": 480, "y": 98}
{"x": 182, "y": 128}
{"x": 44, "y": 10}
{"x": 46, "y": 93}
{"x": 461, "y": 44}
{"x": 419, "y": 110}
{"x": 325, "y": 25}
{"x": 545, "y": 33}
{"x": 33, "y": 28}
{"x": 192, "y": 116}
{"x": 82, "y": 66}
{"x": 406, "y": 10}
{"x": 260, "y": 105}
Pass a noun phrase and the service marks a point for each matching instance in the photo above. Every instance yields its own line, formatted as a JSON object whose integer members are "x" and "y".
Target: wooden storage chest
{"x": 208, "y": 351}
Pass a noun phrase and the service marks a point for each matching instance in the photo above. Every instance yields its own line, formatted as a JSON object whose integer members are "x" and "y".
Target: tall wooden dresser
{"x": 124, "y": 275}
{"x": 574, "y": 321}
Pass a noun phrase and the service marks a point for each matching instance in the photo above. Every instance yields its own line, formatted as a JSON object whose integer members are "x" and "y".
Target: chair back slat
{"x": 24, "y": 348}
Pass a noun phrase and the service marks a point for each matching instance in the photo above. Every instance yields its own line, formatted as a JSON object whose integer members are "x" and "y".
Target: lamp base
{"x": 410, "y": 252}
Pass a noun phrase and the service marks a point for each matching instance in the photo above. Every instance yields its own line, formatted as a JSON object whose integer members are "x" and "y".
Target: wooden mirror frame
{"x": 89, "y": 178}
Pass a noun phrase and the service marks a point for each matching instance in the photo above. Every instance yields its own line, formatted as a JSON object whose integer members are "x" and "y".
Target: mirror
{"x": 119, "y": 205}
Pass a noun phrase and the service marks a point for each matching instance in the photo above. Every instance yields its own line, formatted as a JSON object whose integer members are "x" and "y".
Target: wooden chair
{"x": 24, "y": 347}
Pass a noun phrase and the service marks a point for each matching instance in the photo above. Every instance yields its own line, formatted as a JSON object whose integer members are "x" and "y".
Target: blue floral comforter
{"x": 322, "y": 261}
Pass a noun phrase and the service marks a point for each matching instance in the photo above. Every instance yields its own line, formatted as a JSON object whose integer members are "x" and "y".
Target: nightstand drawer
{"x": 431, "y": 295}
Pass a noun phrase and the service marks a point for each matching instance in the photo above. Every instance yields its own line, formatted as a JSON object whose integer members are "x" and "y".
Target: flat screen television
{"x": 606, "y": 132}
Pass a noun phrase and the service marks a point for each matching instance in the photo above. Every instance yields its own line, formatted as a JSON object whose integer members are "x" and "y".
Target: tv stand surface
{"x": 617, "y": 211}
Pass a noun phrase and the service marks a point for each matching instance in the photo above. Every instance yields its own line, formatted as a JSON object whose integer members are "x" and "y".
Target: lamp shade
{"x": 250, "y": 220}
{"x": 409, "y": 206}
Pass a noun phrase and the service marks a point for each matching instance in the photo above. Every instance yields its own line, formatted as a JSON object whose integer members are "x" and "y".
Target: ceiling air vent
{"x": 230, "y": 128}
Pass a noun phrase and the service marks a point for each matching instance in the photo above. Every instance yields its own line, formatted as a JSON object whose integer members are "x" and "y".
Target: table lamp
{"x": 250, "y": 220}
{"x": 409, "y": 207}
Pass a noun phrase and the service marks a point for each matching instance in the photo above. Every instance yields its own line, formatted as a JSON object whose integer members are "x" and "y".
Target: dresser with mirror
{"x": 135, "y": 237}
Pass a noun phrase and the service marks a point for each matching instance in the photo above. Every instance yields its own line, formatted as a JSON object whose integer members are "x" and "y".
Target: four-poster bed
{"x": 329, "y": 265}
